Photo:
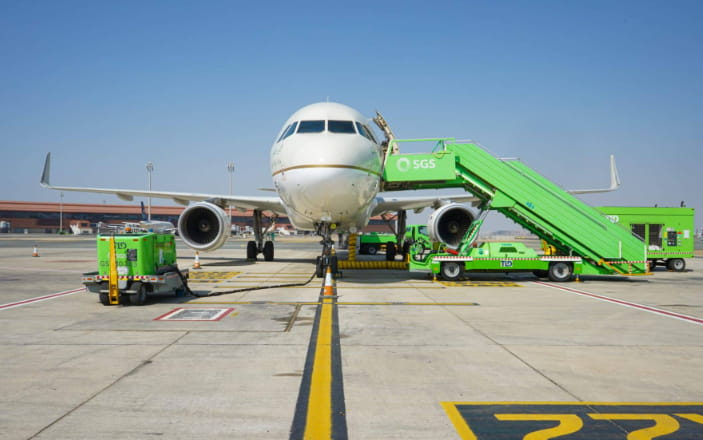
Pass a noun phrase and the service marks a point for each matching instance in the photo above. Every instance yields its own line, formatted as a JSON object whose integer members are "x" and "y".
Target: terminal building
{"x": 50, "y": 218}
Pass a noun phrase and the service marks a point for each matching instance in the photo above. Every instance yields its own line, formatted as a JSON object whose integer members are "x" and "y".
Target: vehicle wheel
{"x": 541, "y": 273}
{"x": 652, "y": 264}
{"x": 268, "y": 251}
{"x": 139, "y": 298}
{"x": 251, "y": 250}
{"x": 451, "y": 270}
{"x": 104, "y": 299}
{"x": 406, "y": 249}
{"x": 676, "y": 264}
{"x": 560, "y": 271}
{"x": 390, "y": 251}
{"x": 372, "y": 249}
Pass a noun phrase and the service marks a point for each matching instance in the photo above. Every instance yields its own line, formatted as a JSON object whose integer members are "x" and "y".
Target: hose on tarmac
{"x": 246, "y": 289}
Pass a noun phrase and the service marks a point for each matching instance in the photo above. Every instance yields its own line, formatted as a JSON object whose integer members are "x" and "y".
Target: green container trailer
{"x": 668, "y": 233}
{"x": 146, "y": 264}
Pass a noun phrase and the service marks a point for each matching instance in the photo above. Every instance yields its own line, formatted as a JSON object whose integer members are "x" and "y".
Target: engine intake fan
{"x": 204, "y": 226}
{"x": 449, "y": 224}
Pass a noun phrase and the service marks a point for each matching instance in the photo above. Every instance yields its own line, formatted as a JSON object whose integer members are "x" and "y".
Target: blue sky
{"x": 108, "y": 86}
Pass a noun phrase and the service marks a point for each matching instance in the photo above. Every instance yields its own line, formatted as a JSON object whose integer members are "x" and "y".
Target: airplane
{"x": 326, "y": 166}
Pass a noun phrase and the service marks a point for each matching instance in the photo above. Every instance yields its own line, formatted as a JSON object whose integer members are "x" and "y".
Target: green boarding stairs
{"x": 523, "y": 195}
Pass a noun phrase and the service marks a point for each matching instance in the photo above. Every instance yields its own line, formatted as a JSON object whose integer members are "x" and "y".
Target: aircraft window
{"x": 311, "y": 127}
{"x": 341, "y": 127}
{"x": 364, "y": 131}
{"x": 288, "y": 131}
{"x": 373, "y": 138}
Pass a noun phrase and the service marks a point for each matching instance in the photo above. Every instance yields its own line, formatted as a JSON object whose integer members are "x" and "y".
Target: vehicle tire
{"x": 652, "y": 265}
{"x": 451, "y": 270}
{"x": 139, "y": 298}
{"x": 251, "y": 250}
{"x": 104, "y": 299}
{"x": 372, "y": 249}
{"x": 268, "y": 251}
{"x": 676, "y": 264}
{"x": 390, "y": 251}
{"x": 541, "y": 273}
{"x": 561, "y": 271}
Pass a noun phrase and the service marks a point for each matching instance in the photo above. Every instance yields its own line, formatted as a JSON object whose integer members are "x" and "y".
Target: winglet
{"x": 614, "y": 181}
{"x": 614, "y": 176}
{"x": 47, "y": 170}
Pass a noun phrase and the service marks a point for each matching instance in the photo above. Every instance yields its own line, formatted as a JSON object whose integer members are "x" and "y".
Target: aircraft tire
{"x": 451, "y": 270}
{"x": 390, "y": 251}
{"x": 561, "y": 271}
{"x": 251, "y": 250}
{"x": 676, "y": 264}
{"x": 268, "y": 251}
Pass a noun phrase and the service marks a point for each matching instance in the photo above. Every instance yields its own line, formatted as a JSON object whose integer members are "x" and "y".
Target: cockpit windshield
{"x": 288, "y": 131}
{"x": 341, "y": 127}
{"x": 311, "y": 127}
{"x": 365, "y": 132}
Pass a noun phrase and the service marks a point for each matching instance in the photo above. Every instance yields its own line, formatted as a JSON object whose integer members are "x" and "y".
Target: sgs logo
{"x": 404, "y": 164}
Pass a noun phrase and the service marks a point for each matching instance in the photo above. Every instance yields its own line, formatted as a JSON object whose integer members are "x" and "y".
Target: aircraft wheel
{"x": 139, "y": 298}
{"x": 251, "y": 250}
{"x": 452, "y": 270}
{"x": 319, "y": 270}
{"x": 561, "y": 271}
{"x": 676, "y": 264}
{"x": 390, "y": 251}
{"x": 268, "y": 251}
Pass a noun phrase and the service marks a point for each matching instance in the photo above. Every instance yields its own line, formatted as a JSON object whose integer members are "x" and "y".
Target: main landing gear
{"x": 258, "y": 246}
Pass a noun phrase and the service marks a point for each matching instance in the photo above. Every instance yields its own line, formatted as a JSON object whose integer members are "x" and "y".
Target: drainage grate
{"x": 182, "y": 314}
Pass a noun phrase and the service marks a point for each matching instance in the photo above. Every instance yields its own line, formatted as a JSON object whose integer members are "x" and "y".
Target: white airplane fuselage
{"x": 326, "y": 167}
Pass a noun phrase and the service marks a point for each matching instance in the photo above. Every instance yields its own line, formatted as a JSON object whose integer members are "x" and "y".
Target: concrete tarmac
{"x": 418, "y": 358}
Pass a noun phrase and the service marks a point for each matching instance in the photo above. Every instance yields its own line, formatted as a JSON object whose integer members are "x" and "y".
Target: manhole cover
{"x": 182, "y": 314}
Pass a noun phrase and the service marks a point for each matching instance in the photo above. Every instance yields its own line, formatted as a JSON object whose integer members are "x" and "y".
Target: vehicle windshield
{"x": 311, "y": 127}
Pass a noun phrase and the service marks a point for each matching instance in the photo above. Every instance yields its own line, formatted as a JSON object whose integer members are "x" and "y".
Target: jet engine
{"x": 204, "y": 226}
{"x": 449, "y": 223}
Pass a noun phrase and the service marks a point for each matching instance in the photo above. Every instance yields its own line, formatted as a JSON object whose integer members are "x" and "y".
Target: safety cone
{"x": 196, "y": 263}
{"x": 328, "y": 289}
{"x": 35, "y": 252}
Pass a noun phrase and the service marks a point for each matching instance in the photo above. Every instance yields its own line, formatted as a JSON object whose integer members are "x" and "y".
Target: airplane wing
{"x": 394, "y": 204}
{"x": 272, "y": 204}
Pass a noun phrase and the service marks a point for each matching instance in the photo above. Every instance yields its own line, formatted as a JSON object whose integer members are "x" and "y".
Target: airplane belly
{"x": 330, "y": 194}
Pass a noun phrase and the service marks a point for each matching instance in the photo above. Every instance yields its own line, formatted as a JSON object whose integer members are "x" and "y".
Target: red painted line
{"x": 650, "y": 309}
{"x": 40, "y": 298}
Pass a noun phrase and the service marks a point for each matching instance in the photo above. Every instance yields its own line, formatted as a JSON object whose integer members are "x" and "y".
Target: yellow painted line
{"x": 319, "y": 418}
{"x": 462, "y": 428}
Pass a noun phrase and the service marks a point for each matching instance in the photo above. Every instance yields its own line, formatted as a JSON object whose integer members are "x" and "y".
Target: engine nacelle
{"x": 449, "y": 223}
{"x": 204, "y": 226}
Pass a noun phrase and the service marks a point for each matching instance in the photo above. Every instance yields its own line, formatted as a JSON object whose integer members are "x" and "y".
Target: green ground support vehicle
{"x": 499, "y": 257}
{"x": 146, "y": 265}
{"x": 668, "y": 233}
{"x": 373, "y": 242}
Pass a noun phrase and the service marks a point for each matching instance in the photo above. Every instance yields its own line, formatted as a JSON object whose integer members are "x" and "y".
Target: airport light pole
{"x": 230, "y": 170}
{"x": 149, "y": 169}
